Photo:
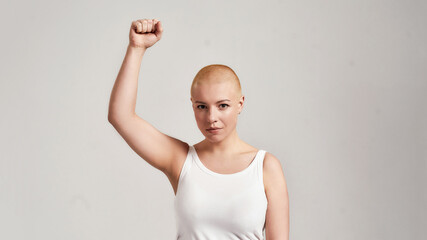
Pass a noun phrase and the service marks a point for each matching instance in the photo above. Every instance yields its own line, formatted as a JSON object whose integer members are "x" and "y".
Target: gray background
{"x": 335, "y": 89}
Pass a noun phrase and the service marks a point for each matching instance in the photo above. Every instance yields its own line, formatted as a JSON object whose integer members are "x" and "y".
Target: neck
{"x": 231, "y": 143}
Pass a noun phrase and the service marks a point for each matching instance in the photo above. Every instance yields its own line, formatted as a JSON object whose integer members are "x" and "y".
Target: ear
{"x": 241, "y": 101}
{"x": 191, "y": 100}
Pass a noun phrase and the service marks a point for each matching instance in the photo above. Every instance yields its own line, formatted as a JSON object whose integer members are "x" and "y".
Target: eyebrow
{"x": 216, "y": 102}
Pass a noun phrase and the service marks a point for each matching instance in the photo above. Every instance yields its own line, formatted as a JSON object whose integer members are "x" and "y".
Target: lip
{"x": 213, "y": 130}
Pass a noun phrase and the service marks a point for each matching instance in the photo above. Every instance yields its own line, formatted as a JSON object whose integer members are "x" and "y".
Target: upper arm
{"x": 156, "y": 148}
{"x": 277, "y": 216}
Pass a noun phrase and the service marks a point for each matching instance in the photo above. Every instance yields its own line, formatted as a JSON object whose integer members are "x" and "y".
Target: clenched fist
{"x": 145, "y": 32}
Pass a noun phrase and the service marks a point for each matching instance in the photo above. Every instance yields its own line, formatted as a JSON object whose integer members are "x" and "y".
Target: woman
{"x": 224, "y": 188}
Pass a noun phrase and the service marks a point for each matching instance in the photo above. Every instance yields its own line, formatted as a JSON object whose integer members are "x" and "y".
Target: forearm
{"x": 123, "y": 96}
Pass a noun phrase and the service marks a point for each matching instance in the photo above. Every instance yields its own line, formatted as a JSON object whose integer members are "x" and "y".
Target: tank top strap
{"x": 260, "y": 164}
{"x": 187, "y": 163}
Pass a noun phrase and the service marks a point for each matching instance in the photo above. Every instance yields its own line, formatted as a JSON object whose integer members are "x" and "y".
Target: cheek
{"x": 199, "y": 119}
{"x": 231, "y": 117}
{"x": 198, "y": 115}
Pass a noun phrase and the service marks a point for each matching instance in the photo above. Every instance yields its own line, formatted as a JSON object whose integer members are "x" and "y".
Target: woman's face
{"x": 216, "y": 105}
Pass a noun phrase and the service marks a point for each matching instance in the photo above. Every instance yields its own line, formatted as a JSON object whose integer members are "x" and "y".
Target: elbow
{"x": 112, "y": 118}
{"x": 117, "y": 118}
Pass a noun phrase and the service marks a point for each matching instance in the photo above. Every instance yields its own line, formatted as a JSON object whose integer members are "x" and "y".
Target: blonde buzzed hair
{"x": 216, "y": 73}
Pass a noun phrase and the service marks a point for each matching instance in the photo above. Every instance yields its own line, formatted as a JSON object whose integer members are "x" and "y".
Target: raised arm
{"x": 158, "y": 149}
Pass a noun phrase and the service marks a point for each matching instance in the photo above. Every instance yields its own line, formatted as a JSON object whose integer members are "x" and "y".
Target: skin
{"x": 211, "y": 84}
{"x": 227, "y": 146}
{"x": 217, "y": 101}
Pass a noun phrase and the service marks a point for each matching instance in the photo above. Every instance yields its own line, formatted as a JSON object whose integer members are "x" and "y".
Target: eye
{"x": 226, "y": 105}
{"x": 200, "y": 106}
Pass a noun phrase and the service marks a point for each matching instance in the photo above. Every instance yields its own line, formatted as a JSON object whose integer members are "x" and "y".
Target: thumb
{"x": 159, "y": 28}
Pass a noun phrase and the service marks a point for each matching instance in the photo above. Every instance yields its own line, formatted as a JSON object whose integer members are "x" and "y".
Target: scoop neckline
{"x": 204, "y": 168}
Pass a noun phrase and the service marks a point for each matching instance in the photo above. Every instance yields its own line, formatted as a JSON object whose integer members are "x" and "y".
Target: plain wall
{"x": 335, "y": 89}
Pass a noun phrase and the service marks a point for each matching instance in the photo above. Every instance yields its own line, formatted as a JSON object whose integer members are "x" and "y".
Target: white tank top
{"x": 209, "y": 205}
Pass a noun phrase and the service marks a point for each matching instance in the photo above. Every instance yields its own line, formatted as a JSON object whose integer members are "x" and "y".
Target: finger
{"x": 141, "y": 23}
{"x": 157, "y": 25}
{"x": 150, "y": 25}
{"x": 160, "y": 26}
{"x": 138, "y": 27}
{"x": 159, "y": 30}
{"x": 144, "y": 26}
{"x": 134, "y": 25}
{"x": 154, "y": 25}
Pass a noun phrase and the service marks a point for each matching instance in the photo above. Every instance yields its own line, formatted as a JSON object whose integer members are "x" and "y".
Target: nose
{"x": 212, "y": 115}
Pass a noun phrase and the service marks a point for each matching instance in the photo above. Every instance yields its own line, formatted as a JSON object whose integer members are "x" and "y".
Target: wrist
{"x": 138, "y": 49}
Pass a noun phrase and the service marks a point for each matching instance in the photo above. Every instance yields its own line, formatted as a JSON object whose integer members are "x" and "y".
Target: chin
{"x": 214, "y": 138}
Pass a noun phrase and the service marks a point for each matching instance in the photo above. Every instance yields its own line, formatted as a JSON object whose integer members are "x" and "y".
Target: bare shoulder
{"x": 277, "y": 216}
{"x": 273, "y": 175}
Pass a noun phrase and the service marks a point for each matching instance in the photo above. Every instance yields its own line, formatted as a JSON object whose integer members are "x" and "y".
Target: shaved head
{"x": 217, "y": 73}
